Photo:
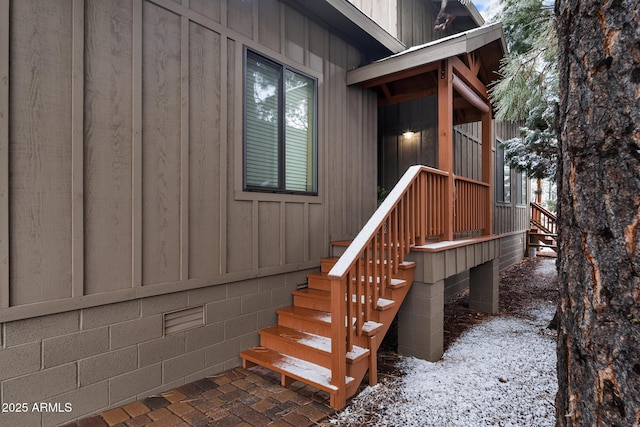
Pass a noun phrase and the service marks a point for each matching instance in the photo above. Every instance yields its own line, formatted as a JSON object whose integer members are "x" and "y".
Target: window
{"x": 503, "y": 176}
{"x": 521, "y": 188}
{"x": 280, "y": 128}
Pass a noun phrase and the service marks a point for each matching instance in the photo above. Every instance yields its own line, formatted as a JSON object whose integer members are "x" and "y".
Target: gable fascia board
{"x": 352, "y": 24}
{"x": 367, "y": 25}
{"x": 437, "y": 50}
{"x": 475, "y": 15}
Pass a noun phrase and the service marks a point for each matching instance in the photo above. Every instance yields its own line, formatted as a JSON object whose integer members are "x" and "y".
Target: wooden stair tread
{"x": 312, "y": 341}
{"x": 369, "y": 328}
{"x": 312, "y": 293}
{"x": 306, "y": 314}
{"x": 291, "y": 367}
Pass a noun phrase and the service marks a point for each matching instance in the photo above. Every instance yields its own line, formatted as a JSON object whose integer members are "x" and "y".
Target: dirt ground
{"x": 529, "y": 281}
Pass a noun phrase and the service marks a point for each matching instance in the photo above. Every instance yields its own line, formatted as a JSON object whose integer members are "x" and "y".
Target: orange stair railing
{"x": 543, "y": 219}
{"x": 470, "y": 206}
{"x": 412, "y": 213}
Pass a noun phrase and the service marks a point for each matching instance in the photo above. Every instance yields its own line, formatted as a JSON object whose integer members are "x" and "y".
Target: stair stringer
{"x": 356, "y": 370}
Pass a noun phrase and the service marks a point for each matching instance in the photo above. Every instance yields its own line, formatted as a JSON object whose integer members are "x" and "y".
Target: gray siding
{"x": 398, "y": 153}
{"x": 512, "y": 216}
{"x": 416, "y": 19}
{"x": 124, "y": 150}
{"x": 467, "y": 150}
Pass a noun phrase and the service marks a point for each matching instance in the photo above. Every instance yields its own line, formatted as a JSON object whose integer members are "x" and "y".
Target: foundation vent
{"x": 181, "y": 320}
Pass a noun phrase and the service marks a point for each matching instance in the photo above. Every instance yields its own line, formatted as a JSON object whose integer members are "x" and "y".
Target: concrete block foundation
{"x": 421, "y": 317}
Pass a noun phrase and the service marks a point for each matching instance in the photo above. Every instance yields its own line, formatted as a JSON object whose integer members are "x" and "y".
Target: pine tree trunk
{"x": 599, "y": 210}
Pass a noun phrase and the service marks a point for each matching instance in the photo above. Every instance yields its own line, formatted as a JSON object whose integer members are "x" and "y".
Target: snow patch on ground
{"x": 499, "y": 373}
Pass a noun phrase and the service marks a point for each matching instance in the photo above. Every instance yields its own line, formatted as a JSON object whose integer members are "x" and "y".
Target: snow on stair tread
{"x": 394, "y": 282}
{"x": 371, "y": 326}
{"x": 325, "y": 317}
{"x": 315, "y": 341}
{"x": 293, "y": 367}
{"x": 382, "y": 302}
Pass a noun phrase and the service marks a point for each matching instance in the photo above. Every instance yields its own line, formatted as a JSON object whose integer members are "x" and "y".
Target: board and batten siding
{"x": 121, "y": 135}
{"x": 510, "y": 217}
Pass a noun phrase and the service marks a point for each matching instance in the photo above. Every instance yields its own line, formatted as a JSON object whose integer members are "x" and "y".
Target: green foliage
{"x": 382, "y": 194}
{"x": 528, "y": 90}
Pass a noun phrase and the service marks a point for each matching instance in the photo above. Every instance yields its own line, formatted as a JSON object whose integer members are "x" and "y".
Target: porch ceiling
{"x": 414, "y": 73}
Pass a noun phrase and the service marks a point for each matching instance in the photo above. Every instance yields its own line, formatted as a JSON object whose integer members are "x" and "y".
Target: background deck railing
{"x": 543, "y": 219}
{"x": 470, "y": 206}
{"x": 412, "y": 213}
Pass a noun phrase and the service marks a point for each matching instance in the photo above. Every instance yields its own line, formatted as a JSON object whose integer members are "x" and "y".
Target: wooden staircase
{"x": 544, "y": 229}
{"x": 299, "y": 347}
{"x": 329, "y": 338}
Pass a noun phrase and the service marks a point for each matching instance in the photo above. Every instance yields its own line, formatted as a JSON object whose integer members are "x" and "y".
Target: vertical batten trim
{"x": 184, "y": 148}
{"x": 4, "y": 153}
{"x": 307, "y": 50}
{"x": 224, "y": 106}
{"x": 77, "y": 151}
{"x": 223, "y": 13}
{"x": 283, "y": 29}
{"x": 255, "y": 236}
{"x": 283, "y": 233}
{"x": 136, "y": 143}
{"x": 323, "y": 149}
{"x": 255, "y": 11}
{"x": 305, "y": 231}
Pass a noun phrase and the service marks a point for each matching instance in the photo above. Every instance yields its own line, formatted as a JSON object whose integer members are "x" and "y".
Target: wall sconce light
{"x": 408, "y": 134}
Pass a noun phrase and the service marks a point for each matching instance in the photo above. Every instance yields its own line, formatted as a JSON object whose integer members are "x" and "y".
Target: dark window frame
{"x": 283, "y": 68}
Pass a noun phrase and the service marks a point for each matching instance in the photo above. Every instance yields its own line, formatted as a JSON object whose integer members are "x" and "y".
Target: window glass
{"x": 280, "y": 129}
{"x": 503, "y": 176}
{"x": 299, "y": 138}
{"x": 262, "y": 123}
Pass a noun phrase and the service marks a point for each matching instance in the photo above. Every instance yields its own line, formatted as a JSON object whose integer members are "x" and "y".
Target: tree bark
{"x": 599, "y": 213}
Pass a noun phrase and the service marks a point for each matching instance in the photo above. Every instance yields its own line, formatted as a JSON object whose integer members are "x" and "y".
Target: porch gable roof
{"x": 488, "y": 41}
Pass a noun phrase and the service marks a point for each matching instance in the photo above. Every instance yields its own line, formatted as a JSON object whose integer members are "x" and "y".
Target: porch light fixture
{"x": 408, "y": 134}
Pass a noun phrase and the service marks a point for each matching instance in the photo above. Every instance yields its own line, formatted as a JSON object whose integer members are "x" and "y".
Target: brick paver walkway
{"x": 239, "y": 397}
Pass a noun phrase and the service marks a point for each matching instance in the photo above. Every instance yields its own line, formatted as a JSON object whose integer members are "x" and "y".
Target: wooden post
{"x": 445, "y": 141}
{"x": 487, "y": 170}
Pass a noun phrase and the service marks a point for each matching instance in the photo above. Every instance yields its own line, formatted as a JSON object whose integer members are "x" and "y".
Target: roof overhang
{"x": 352, "y": 24}
{"x": 487, "y": 41}
{"x": 415, "y": 73}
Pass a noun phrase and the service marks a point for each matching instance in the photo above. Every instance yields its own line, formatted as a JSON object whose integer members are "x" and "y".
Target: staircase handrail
{"x": 402, "y": 220}
{"x": 550, "y": 222}
{"x": 354, "y": 250}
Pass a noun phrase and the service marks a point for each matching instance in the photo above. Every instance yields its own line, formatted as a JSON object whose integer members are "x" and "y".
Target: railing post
{"x": 338, "y": 342}
{"x": 445, "y": 142}
{"x": 422, "y": 210}
{"x": 487, "y": 169}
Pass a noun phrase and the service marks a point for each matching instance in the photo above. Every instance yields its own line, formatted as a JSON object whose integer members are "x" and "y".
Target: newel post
{"x": 338, "y": 342}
